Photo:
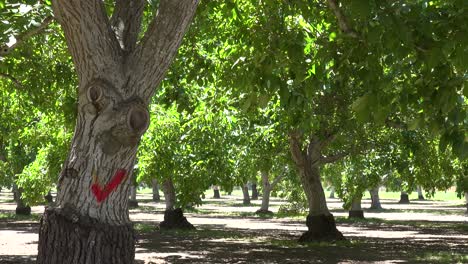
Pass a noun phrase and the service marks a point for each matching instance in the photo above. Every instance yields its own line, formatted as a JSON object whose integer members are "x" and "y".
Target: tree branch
{"x": 91, "y": 41}
{"x": 5, "y": 50}
{"x": 17, "y": 83}
{"x": 277, "y": 180}
{"x": 126, "y": 22}
{"x": 297, "y": 154}
{"x": 343, "y": 22}
{"x": 158, "y": 47}
{"x": 333, "y": 158}
{"x": 328, "y": 140}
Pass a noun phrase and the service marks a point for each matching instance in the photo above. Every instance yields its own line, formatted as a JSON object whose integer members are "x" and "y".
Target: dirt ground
{"x": 228, "y": 232}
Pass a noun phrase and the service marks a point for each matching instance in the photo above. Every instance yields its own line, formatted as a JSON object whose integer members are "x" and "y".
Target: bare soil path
{"x": 228, "y": 232}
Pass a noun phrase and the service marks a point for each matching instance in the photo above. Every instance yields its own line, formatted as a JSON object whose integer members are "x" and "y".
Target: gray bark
{"x": 169, "y": 194}
{"x": 466, "y": 200}
{"x": 420, "y": 193}
{"x": 116, "y": 77}
{"x": 216, "y": 193}
{"x": 404, "y": 198}
{"x": 245, "y": 192}
{"x": 375, "y": 199}
{"x": 332, "y": 192}
{"x": 254, "y": 191}
{"x": 155, "y": 185}
{"x": 356, "y": 209}
{"x": 21, "y": 207}
{"x": 266, "y": 188}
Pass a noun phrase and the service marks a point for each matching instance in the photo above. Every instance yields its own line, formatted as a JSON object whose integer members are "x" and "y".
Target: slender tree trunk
{"x": 117, "y": 76}
{"x": 332, "y": 193}
{"x": 375, "y": 199}
{"x": 173, "y": 217}
{"x": 420, "y": 193}
{"x": 254, "y": 191}
{"x": 266, "y": 187}
{"x": 404, "y": 198}
{"x": 216, "y": 193}
{"x": 49, "y": 198}
{"x": 320, "y": 222}
{"x": 356, "y": 210}
{"x": 466, "y": 200}
{"x": 245, "y": 192}
{"x": 155, "y": 185}
{"x": 21, "y": 207}
{"x": 133, "y": 202}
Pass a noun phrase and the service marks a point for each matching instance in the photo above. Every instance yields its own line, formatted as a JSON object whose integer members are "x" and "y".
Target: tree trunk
{"x": 375, "y": 199}
{"x": 155, "y": 185}
{"x": 320, "y": 222}
{"x": 404, "y": 198}
{"x": 117, "y": 76}
{"x": 466, "y": 200}
{"x": 216, "y": 194}
{"x": 332, "y": 193}
{"x": 173, "y": 217}
{"x": 420, "y": 193}
{"x": 245, "y": 192}
{"x": 356, "y": 210}
{"x": 169, "y": 194}
{"x": 254, "y": 191}
{"x": 21, "y": 207}
{"x": 266, "y": 187}
{"x": 133, "y": 202}
{"x": 49, "y": 198}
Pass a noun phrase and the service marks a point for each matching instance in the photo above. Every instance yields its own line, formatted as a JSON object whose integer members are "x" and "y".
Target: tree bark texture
{"x": 169, "y": 194}
{"x": 404, "y": 198}
{"x": 266, "y": 188}
{"x": 245, "y": 192}
{"x": 216, "y": 193}
{"x": 254, "y": 191}
{"x": 320, "y": 222}
{"x": 420, "y": 193}
{"x": 117, "y": 76}
{"x": 375, "y": 199}
{"x": 356, "y": 210}
{"x": 155, "y": 185}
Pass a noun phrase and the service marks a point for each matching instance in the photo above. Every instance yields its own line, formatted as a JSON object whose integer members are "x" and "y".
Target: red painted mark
{"x": 101, "y": 194}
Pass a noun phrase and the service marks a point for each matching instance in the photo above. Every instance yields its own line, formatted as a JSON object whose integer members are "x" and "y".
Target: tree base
{"x": 404, "y": 199}
{"x": 265, "y": 212}
{"x": 254, "y": 192}
{"x": 376, "y": 207}
{"x": 421, "y": 197}
{"x": 321, "y": 228}
{"x": 246, "y": 202}
{"x": 132, "y": 203}
{"x": 67, "y": 237}
{"x": 356, "y": 214}
{"x": 26, "y": 210}
{"x": 175, "y": 219}
{"x": 216, "y": 194}
{"x": 156, "y": 198}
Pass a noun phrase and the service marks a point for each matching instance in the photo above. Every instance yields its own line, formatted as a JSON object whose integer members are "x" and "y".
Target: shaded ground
{"x": 228, "y": 232}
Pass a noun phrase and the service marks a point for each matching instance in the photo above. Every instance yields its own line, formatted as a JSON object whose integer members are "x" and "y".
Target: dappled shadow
{"x": 16, "y": 259}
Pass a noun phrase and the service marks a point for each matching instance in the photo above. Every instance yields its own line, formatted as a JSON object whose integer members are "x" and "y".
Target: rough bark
{"x": 245, "y": 192}
{"x": 254, "y": 191}
{"x": 266, "y": 187}
{"x": 117, "y": 76}
{"x": 404, "y": 198}
{"x": 21, "y": 207}
{"x": 216, "y": 193}
{"x": 320, "y": 222}
{"x": 375, "y": 199}
{"x": 169, "y": 194}
{"x": 133, "y": 202}
{"x": 332, "y": 193}
{"x": 356, "y": 210}
{"x": 420, "y": 193}
{"x": 155, "y": 185}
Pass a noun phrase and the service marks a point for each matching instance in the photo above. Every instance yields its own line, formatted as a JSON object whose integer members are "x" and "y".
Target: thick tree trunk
{"x": 404, "y": 198}
{"x": 173, "y": 217}
{"x": 21, "y": 207}
{"x": 245, "y": 192}
{"x": 133, "y": 202}
{"x": 254, "y": 191}
{"x": 375, "y": 199}
{"x": 420, "y": 193}
{"x": 320, "y": 222}
{"x": 356, "y": 210}
{"x": 155, "y": 185}
{"x": 216, "y": 193}
{"x": 332, "y": 193}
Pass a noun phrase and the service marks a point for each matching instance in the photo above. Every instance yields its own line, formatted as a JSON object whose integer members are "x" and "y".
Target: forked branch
{"x": 343, "y": 22}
